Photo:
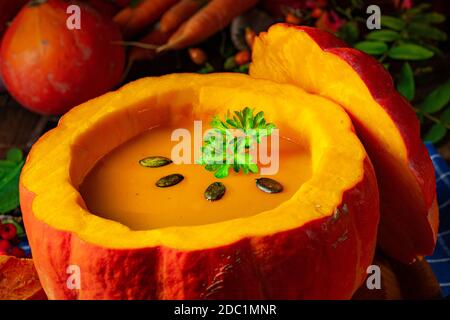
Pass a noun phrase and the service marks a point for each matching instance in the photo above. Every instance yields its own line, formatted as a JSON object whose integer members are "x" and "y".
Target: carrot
{"x": 133, "y": 19}
{"x": 179, "y": 13}
{"x": 215, "y": 16}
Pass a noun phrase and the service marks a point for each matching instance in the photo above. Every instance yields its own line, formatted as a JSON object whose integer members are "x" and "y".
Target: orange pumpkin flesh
{"x": 322, "y": 64}
{"x": 327, "y": 228}
{"x": 49, "y": 68}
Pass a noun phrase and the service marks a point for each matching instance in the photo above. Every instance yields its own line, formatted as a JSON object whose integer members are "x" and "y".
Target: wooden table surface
{"x": 18, "y": 126}
{"x": 21, "y": 128}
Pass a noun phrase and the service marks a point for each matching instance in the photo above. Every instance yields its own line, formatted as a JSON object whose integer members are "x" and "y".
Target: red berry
{"x": 3, "y": 253}
{"x": 4, "y": 245}
{"x": 17, "y": 252}
{"x": 316, "y": 13}
{"x": 8, "y": 231}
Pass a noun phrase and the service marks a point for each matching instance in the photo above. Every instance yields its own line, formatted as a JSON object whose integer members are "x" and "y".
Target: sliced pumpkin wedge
{"x": 320, "y": 63}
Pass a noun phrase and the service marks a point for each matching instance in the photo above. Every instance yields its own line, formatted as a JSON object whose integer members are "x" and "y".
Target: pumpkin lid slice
{"x": 322, "y": 64}
{"x": 61, "y": 159}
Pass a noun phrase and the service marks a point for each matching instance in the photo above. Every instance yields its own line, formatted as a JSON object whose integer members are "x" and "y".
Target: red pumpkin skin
{"x": 404, "y": 220}
{"x": 324, "y": 259}
{"x": 48, "y": 68}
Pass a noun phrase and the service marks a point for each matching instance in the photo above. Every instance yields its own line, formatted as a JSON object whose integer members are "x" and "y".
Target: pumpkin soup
{"x": 121, "y": 188}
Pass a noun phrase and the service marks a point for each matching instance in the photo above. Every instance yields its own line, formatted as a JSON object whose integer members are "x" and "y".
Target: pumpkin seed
{"x": 155, "y": 162}
{"x": 269, "y": 185}
{"x": 215, "y": 191}
{"x": 170, "y": 180}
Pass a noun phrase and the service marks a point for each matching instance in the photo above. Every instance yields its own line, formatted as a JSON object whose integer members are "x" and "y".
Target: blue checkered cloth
{"x": 440, "y": 260}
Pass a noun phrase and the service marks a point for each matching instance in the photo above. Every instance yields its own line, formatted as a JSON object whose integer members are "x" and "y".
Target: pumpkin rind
{"x": 383, "y": 119}
{"x": 276, "y": 254}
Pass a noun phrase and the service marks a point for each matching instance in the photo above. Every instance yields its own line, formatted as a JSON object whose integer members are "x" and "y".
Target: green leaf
{"x": 232, "y": 123}
{"x": 417, "y": 9}
{"x": 426, "y": 31}
{"x": 392, "y": 23}
{"x": 15, "y": 155}
{"x": 216, "y": 123}
{"x": 230, "y": 64}
{"x": 435, "y": 49}
{"x": 405, "y": 83}
{"x": 244, "y": 68}
{"x": 436, "y": 133}
{"x": 9, "y": 189}
{"x": 421, "y": 117}
{"x": 445, "y": 117}
{"x": 437, "y": 99}
{"x": 222, "y": 172}
{"x": 241, "y": 118}
{"x": 253, "y": 167}
{"x": 349, "y": 32}
{"x": 9, "y": 198}
{"x": 372, "y": 47}
{"x": 409, "y": 51}
{"x": 430, "y": 17}
{"x": 248, "y": 118}
{"x": 6, "y": 166}
{"x": 383, "y": 35}
{"x": 211, "y": 167}
{"x": 257, "y": 120}
{"x": 208, "y": 68}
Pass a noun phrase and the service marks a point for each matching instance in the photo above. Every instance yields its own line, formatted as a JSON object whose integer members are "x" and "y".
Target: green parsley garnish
{"x": 228, "y": 143}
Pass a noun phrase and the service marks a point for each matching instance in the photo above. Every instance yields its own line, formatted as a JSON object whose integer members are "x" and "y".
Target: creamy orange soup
{"x": 120, "y": 189}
